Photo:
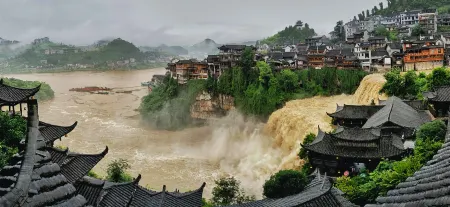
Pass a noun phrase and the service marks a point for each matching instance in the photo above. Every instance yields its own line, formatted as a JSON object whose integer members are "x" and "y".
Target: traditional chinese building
{"x": 319, "y": 192}
{"x": 439, "y": 99}
{"x": 426, "y": 187}
{"x": 184, "y": 70}
{"x": 353, "y": 115}
{"x": 341, "y": 58}
{"x": 423, "y": 57}
{"x": 348, "y": 149}
{"x": 230, "y": 55}
{"x": 316, "y": 56}
{"x": 41, "y": 175}
{"x": 214, "y": 65}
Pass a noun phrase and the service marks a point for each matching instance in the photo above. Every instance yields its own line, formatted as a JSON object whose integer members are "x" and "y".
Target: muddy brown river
{"x": 184, "y": 159}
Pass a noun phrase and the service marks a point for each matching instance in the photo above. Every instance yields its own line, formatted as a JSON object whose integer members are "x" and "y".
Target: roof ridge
{"x": 76, "y": 154}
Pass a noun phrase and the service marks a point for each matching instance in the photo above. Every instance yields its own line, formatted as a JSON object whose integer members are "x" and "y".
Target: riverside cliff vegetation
{"x": 13, "y": 129}
{"x": 411, "y": 85}
{"x": 257, "y": 88}
{"x": 45, "y": 93}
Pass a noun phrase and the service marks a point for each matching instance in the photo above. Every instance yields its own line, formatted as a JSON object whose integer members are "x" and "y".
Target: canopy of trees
{"x": 410, "y": 85}
{"x": 285, "y": 183}
{"x": 290, "y": 35}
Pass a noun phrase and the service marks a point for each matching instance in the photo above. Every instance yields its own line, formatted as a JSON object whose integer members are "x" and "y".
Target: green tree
{"x": 288, "y": 81}
{"x": 309, "y": 138}
{"x": 285, "y": 183}
{"x": 339, "y": 31}
{"x": 12, "y": 130}
{"x": 367, "y": 13}
{"x": 116, "y": 171}
{"x": 382, "y": 31}
{"x": 227, "y": 192}
{"x": 418, "y": 30}
{"x": 439, "y": 77}
{"x": 247, "y": 64}
{"x": 394, "y": 83}
{"x": 381, "y": 6}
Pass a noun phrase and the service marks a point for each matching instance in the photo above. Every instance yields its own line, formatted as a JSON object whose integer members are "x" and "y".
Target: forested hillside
{"x": 289, "y": 35}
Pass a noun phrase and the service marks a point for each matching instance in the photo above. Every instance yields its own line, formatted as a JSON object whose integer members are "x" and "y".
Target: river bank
{"x": 65, "y": 70}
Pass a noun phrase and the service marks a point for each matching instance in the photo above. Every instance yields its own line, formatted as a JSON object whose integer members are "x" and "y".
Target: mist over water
{"x": 230, "y": 146}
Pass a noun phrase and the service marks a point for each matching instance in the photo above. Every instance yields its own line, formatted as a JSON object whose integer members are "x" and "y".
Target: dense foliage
{"x": 45, "y": 92}
{"x": 365, "y": 187}
{"x": 12, "y": 130}
{"x": 285, "y": 183}
{"x": 290, "y": 35}
{"x": 116, "y": 171}
{"x": 227, "y": 192}
{"x": 309, "y": 138}
{"x": 410, "y": 85}
{"x": 394, "y": 6}
{"x": 168, "y": 105}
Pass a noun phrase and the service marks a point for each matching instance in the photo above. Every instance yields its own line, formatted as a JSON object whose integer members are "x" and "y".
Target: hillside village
{"x": 409, "y": 40}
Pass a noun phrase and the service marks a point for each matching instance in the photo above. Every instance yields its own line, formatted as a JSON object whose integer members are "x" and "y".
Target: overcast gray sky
{"x": 172, "y": 22}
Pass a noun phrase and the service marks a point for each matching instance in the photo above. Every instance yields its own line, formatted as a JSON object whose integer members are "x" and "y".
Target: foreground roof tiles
{"x": 319, "y": 192}
{"x": 430, "y": 186}
{"x": 354, "y": 111}
{"x": 15, "y": 95}
{"x": 53, "y": 132}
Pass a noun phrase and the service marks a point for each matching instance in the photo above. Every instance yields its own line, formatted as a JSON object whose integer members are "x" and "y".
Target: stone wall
{"x": 423, "y": 65}
{"x": 206, "y": 106}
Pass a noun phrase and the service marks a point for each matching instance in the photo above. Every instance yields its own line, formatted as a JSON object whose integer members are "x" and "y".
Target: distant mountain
{"x": 207, "y": 46}
{"x": 249, "y": 43}
{"x": 10, "y": 48}
{"x": 173, "y": 50}
{"x": 8, "y": 42}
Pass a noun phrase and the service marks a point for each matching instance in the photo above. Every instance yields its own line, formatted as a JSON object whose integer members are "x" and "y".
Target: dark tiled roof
{"x": 430, "y": 186}
{"x": 363, "y": 145}
{"x": 354, "y": 111}
{"x": 90, "y": 189}
{"x": 119, "y": 194}
{"x": 396, "y": 112}
{"x": 276, "y": 55}
{"x": 11, "y": 94}
{"x": 75, "y": 166}
{"x": 439, "y": 94}
{"x": 377, "y": 38}
{"x": 319, "y": 192}
{"x": 58, "y": 155}
{"x": 131, "y": 194}
{"x": 33, "y": 179}
{"x": 395, "y": 46}
{"x": 379, "y": 53}
{"x": 356, "y": 134}
{"x": 416, "y": 104}
{"x": 234, "y": 47}
{"x": 315, "y": 48}
{"x": 289, "y": 55}
{"x": 52, "y": 132}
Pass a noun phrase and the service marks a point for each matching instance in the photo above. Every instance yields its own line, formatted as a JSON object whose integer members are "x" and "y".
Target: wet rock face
{"x": 206, "y": 106}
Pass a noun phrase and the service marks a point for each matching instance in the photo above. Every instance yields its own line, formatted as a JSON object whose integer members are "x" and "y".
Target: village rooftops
{"x": 439, "y": 94}
{"x": 357, "y": 143}
{"x": 11, "y": 95}
{"x": 377, "y": 38}
{"x": 347, "y": 52}
{"x": 379, "y": 53}
{"x": 234, "y": 47}
{"x": 319, "y": 192}
{"x": 429, "y": 186}
{"x": 397, "y": 112}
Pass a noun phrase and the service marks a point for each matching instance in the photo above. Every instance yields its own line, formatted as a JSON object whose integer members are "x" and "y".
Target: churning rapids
{"x": 184, "y": 159}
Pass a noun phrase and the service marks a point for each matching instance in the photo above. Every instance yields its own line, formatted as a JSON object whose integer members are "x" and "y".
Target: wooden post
{"x": 20, "y": 109}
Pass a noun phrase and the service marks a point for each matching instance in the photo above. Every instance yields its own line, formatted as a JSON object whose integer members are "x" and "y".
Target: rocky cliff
{"x": 206, "y": 106}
